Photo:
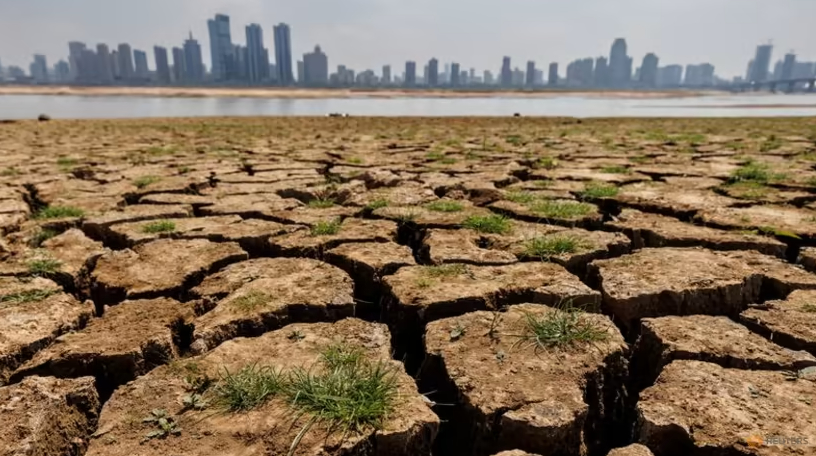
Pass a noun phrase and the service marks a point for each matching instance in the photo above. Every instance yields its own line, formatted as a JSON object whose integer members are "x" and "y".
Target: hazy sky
{"x": 476, "y": 33}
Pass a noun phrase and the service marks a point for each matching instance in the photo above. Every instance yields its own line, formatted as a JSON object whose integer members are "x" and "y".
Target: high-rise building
{"x": 162, "y": 65}
{"x": 179, "y": 66}
{"x": 75, "y": 49}
{"x": 39, "y": 69}
{"x": 141, "y": 70}
{"x": 552, "y": 74}
{"x": 670, "y": 76}
{"x": 620, "y": 64}
{"x": 463, "y": 78}
{"x": 386, "y": 75}
{"x": 193, "y": 65}
{"x": 410, "y": 73}
{"x": 105, "y": 62}
{"x": 699, "y": 75}
{"x": 487, "y": 77}
{"x": 221, "y": 49}
{"x": 506, "y": 73}
{"x": 432, "y": 79}
{"x": 580, "y": 73}
{"x": 456, "y": 76}
{"x": 648, "y": 70}
{"x": 283, "y": 53}
{"x": 62, "y": 71}
{"x": 804, "y": 69}
{"x": 777, "y": 72}
{"x": 300, "y": 78}
{"x": 257, "y": 58}
{"x": 788, "y": 66}
{"x": 126, "y": 68}
{"x": 761, "y": 63}
{"x": 316, "y": 68}
{"x": 530, "y": 75}
{"x": 601, "y": 76}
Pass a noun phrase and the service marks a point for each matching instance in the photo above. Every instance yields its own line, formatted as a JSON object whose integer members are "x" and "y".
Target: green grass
{"x": 564, "y": 327}
{"x": 515, "y": 140}
{"x": 749, "y": 190}
{"x": 561, "y": 209}
{"x": 445, "y": 270}
{"x": 546, "y": 163}
{"x": 546, "y": 246}
{"x": 448, "y": 161}
{"x": 56, "y": 212}
{"x": 755, "y": 172}
{"x": 377, "y": 204}
{"x": 249, "y": 388}
{"x": 42, "y": 236}
{"x": 542, "y": 183}
{"x": 184, "y": 170}
{"x": 434, "y": 156}
{"x": 616, "y": 169}
{"x": 158, "y": 151}
{"x": 445, "y": 206}
{"x": 161, "y": 226}
{"x": 354, "y": 160}
{"x": 809, "y": 308}
{"x": 251, "y": 301}
{"x": 144, "y": 181}
{"x": 770, "y": 143}
{"x": 326, "y": 228}
{"x": 489, "y": 224}
{"x": 321, "y": 203}
{"x": 595, "y": 190}
{"x": 9, "y": 172}
{"x": 44, "y": 266}
{"x": 66, "y": 162}
{"x": 28, "y": 296}
{"x": 520, "y": 197}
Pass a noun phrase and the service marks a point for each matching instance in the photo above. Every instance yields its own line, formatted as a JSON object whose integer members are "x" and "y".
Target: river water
{"x": 94, "y": 107}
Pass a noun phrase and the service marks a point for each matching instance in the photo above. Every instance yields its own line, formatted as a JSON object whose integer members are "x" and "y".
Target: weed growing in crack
{"x": 546, "y": 163}
{"x": 165, "y": 425}
{"x": 41, "y": 236}
{"x": 144, "y": 181}
{"x": 43, "y": 267}
{"x": 326, "y": 228}
{"x": 321, "y": 203}
{"x": 248, "y": 388}
{"x": 547, "y": 246}
{"x": 564, "y": 327}
{"x": 595, "y": 190}
{"x": 616, "y": 169}
{"x": 377, "y": 204}
{"x": 749, "y": 190}
{"x": 251, "y": 301}
{"x": 489, "y": 224}
{"x": 755, "y": 172}
{"x": 520, "y": 197}
{"x": 193, "y": 401}
{"x": 57, "y": 212}
{"x": 28, "y": 296}
{"x": 561, "y": 209}
{"x": 445, "y": 206}
{"x": 161, "y": 226}
{"x": 444, "y": 270}
{"x": 66, "y": 162}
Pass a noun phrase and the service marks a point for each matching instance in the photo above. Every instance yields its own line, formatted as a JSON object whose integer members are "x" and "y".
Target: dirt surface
{"x": 132, "y": 248}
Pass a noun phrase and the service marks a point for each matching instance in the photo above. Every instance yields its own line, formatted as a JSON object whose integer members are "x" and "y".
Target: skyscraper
{"x": 648, "y": 70}
{"x": 283, "y": 53}
{"x": 788, "y": 65}
{"x": 762, "y": 63}
{"x": 670, "y": 76}
{"x": 75, "y": 49}
{"x": 140, "y": 59}
{"x": 316, "y": 68}
{"x": 221, "y": 50}
{"x": 433, "y": 73}
{"x": 179, "y": 66}
{"x": 455, "y": 77}
{"x": 386, "y": 75}
{"x": 257, "y": 59}
{"x": 62, "y": 71}
{"x": 530, "y": 75}
{"x": 193, "y": 65}
{"x": 620, "y": 64}
{"x": 552, "y": 74}
{"x": 601, "y": 76}
{"x": 39, "y": 69}
{"x": 125, "y": 55}
{"x": 410, "y": 73}
{"x": 162, "y": 65}
{"x": 506, "y": 78}
{"x": 105, "y": 62}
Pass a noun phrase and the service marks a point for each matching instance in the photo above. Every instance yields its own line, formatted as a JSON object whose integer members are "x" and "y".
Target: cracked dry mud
{"x": 529, "y": 286}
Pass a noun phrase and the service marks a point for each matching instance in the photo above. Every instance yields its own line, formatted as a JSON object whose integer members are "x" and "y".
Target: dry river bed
{"x": 366, "y": 286}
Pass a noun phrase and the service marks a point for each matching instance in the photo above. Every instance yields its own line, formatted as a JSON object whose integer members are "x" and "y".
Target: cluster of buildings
{"x": 252, "y": 64}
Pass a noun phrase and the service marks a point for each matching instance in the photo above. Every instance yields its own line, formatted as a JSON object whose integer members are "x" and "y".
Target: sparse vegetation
{"x": 561, "y": 209}
{"x": 23, "y": 297}
{"x": 553, "y": 245}
{"x": 755, "y": 172}
{"x": 251, "y": 301}
{"x": 326, "y": 228}
{"x": 546, "y": 163}
{"x": 489, "y": 224}
{"x": 809, "y": 308}
{"x": 43, "y": 266}
{"x": 41, "y": 236}
{"x": 10, "y": 172}
{"x": 616, "y": 169}
{"x": 248, "y": 388}
{"x": 66, "y": 162}
{"x": 445, "y": 270}
{"x": 164, "y": 425}
{"x": 520, "y": 197}
{"x": 563, "y": 327}
{"x": 377, "y": 204}
{"x": 445, "y": 206}
{"x": 57, "y": 212}
{"x": 145, "y": 181}
{"x": 321, "y": 203}
{"x": 160, "y": 226}
{"x": 596, "y": 190}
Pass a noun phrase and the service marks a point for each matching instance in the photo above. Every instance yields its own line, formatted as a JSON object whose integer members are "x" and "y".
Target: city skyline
{"x": 347, "y": 35}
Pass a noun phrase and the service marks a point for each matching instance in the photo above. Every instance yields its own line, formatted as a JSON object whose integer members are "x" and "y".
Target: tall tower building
{"x": 39, "y": 69}
{"x": 788, "y": 65}
{"x": 601, "y": 76}
{"x": 179, "y": 66}
{"x": 193, "y": 65}
{"x": 552, "y": 74}
{"x": 410, "y": 73}
{"x": 162, "y": 65}
{"x": 283, "y": 53}
{"x": 648, "y": 70}
{"x": 455, "y": 76}
{"x": 386, "y": 75}
{"x": 432, "y": 79}
{"x": 762, "y": 63}
{"x": 105, "y": 62}
{"x": 221, "y": 49}
{"x": 257, "y": 58}
{"x": 126, "y": 68}
{"x": 75, "y": 49}
{"x": 316, "y": 68}
{"x": 620, "y": 65}
{"x": 140, "y": 59}
{"x": 530, "y": 74}
{"x": 506, "y": 78}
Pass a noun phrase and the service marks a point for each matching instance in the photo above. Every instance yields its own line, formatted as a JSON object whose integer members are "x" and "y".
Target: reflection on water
{"x": 30, "y": 106}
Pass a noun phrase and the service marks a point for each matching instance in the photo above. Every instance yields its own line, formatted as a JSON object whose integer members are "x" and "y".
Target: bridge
{"x": 788, "y": 85}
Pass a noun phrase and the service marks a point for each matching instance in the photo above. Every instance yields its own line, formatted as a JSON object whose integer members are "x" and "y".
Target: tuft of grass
{"x": 809, "y": 308}
{"x": 444, "y": 270}
{"x": 749, "y": 190}
{"x": 144, "y": 181}
{"x": 42, "y": 236}
{"x": 28, "y": 296}
{"x": 546, "y": 163}
{"x": 520, "y": 197}
{"x": 561, "y": 209}
{"x": 448, "y": 161}
{"x": 55, "y": 212}
{"x": 158, "y": 151}
{"x": 770, "y": 143}
{"x": 9, "y": 172}
{"x": 43, "y": 267}
{"x": 434, "y": 155}
{"x": 490, "y": 224}
{"x": 326, "y": 228}
{"x": 755, "y": 172}
{"x": 354, "y": 160}
{"x": 321, "y": 203}
{"x": 542, "y": 183}
{"x": 564, "y": 327}
{"x": 248, "y": 388}
{"x": 595, "y": 190}
{"x": 616, "y": 169}
{"x": 547, "y": 246}
{"x": 66, "y": 162}
{"x": 250, "y": 301}
{"x": 445, "y": 206}
{"x": 377, "y": 204}
{"x": 184, "y": 170}
{"x": 161, "y": 226}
